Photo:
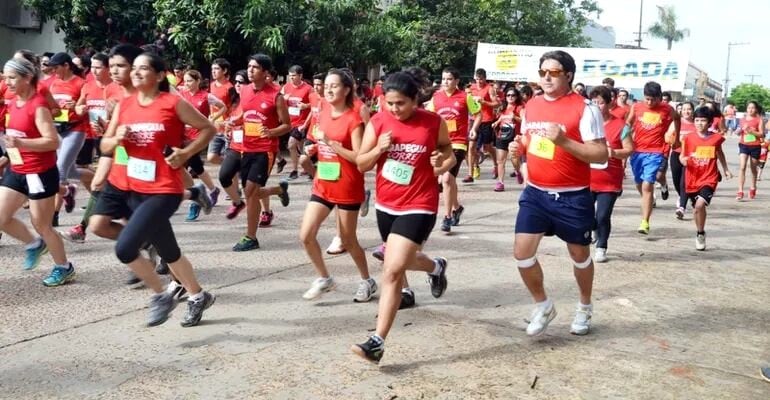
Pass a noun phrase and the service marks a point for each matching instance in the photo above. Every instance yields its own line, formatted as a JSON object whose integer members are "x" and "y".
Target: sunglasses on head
{"x": 510, "y": 95}
{"x": 554, "y": 73}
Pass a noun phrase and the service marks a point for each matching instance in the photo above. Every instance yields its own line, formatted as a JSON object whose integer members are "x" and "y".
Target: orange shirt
{"x": 338, "y": 180}
{"x": 701, "y": 165}
{"x": 295, "y": 95}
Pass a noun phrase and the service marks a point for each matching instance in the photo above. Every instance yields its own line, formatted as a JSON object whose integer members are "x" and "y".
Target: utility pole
{"x": 639, "y": 38}
{"x": 726, "y": 88}
{"x": 752, "y": 76}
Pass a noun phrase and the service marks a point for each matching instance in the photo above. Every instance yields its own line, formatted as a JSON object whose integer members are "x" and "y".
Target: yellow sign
{"x": 506, "y": 61}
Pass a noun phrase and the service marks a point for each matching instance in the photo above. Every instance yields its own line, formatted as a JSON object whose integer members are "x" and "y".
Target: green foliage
{"x": 666, "y": 26}
{"x": 746, "y": 92}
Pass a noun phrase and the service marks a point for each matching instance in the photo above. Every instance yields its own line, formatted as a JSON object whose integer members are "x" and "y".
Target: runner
{"x": 750, "y": 147}
{"x": 150, "y": 185}
{"x": 700, "y": 152}
{"x": 508, "y": 126}
{"x": 309, "y": 154}
{"x": 296, "y": 92}
{"x": 687, "y": 126}
{"x": 565, "y": 134}
{"x": 649, "y": 121}
{"x": 607, "y": 180}
{"x": 265, "y": 118}
{"x": 223, "y": 90}
{"x": 410, "y": 147}
{"x": 228, "y": 174}
{"x": 339, "y": 184}
{"x": 484, "y": 94}
{"x": 620, "y": 109}
{"x": 31, "y": 141}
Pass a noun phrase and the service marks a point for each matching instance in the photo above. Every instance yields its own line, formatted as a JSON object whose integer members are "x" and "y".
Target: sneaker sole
{"x": 765, "y": 374}
{"x": 321, "y": 293}
{"x": 579, "y": 333}
{"x": 69, "y": 278}
{"x": 336, "y": 253}
{"x": 361, "y": 353}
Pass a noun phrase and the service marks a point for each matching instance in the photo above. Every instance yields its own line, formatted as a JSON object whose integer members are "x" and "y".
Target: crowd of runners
{"x": 136, "y": 135}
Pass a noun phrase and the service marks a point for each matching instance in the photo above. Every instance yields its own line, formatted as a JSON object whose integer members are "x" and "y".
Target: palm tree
{"x": 666, "y": 27}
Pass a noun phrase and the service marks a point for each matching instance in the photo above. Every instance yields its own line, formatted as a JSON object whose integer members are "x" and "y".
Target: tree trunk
{"x": 670, "y": 42}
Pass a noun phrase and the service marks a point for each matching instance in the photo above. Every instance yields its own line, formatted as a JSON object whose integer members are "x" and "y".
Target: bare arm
{"x": 356, "y": 136}
{"x": 283, "y": 116}
{"x": 626, "y": 151}
{"x": 109, "y": 141}
{"x": 372, "y": 147}
{"x": 723, "y": 162}
{"x": 49, "y": 140}
{"x": 444, "y": 147}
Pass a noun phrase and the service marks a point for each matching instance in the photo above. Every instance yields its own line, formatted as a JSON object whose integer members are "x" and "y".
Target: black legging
{"x": 149, "y": 222}
{"x": 231, "y": 165}
{"x": 677, "y": 173}
{"x": 605, "y": 203}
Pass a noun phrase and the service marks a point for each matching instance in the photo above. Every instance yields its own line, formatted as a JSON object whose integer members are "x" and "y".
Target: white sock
{"x": 544, "y": 305}
{"x": 377, "y": 339}
{"x": 171, "y": 287}
{"x": 197, "y": 296}
{"x": 34, "y": 244}
{"x": 585, "y": 306}
{"x": 436, "y": 268}
{"x": 67, "y": 265}
{"x": 407, "y": 290}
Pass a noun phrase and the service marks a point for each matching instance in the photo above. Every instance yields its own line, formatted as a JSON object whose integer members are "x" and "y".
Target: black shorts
{"x": 297, "y": 134}
{"x": 195, "y": 165}
{"x": 460, "y": 157}
{"x": 86, "y": 155}
{"x": 415, "y": 227}
{"x": 752, "y": 151}
{"x": 112, "y": 202}
{"x": 256, "y": 167}
{"x": 486, "y": 135}
{"x": 568, "y": 215}
{"x": 18, "y": 183}
{"x": 501, "y": 144}
{"x": 706, "y": 193}
{"x": 330, "y": 205}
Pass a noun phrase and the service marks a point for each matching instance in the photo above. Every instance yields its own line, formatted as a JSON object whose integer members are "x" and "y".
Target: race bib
{"x": 542, "y": 147}
{"x": 238, "y": 136}
{"x": 121, "y": 157}
{"x": 451, "y": 125}
{"x": 329, "y": 170}
{"x": 94, "y": 115}
{"x": 294, "y": 111}
{"x": 15, "y": 156}
{"x": 253, "y": 129}
{"x": 143, "y": 170}
{"x": 64, "y": 116}
{"x": 705, "y": 152}
{"x": 397, "y": 172}
{"x": 749, "y": 138}
{"x": 459, "y": 146}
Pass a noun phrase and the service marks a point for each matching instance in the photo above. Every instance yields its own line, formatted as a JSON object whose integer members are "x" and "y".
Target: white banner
{"x": 629, "y": 68}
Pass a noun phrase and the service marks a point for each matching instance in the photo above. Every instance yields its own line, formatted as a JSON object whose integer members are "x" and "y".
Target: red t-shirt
{"x": 316, "y": 104}
{"x": 487, "y": 112}
{"x": 701, "y": 169}
{"x": 610, "y": 179}
{"x": 295, "y": 95}
{"x": 405, "y": 182}
{"x": 222, "y": 92}
{"x": 259, "y": 111}
{"x": 650, "y": 126}
{"x": 152, "y": 128}
{"x": 63, "y": 91}
{"x": 200, "y": 101}
{"x": 5, "y": 97}
{"x": 454, "y": 110}
{"x": 47, "y": 81}
{"x": 338, "y": 180}
{"x": 620, "y": 112}
{"x": 20, "y": 122}
{"x": 750, "y": 128}
{"x": 96, "y": 105}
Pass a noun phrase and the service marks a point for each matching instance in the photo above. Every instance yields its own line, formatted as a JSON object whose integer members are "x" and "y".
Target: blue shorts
{"x": 568, "y": 215}
{"x": 645, "y": 166}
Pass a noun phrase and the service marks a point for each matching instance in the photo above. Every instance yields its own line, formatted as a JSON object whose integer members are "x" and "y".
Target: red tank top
{"x": 610, "y": 179}
{"x": 152, "y": 128}
{"x": 650, "y": 126}
{"x": 405, "y": 182}
{"x": 200, "y": 101}
{"x": 338, "y": 180}
{"x": 259, "y": 112}
{"x": 454, "y": 110}
{"x": 749, "y": 129}
{"x": 96, "y": 105}
{"x": 20, "y": 122}
{"x": 548, "y": 165}
{"x": 701, "y": 168}
{"x": 63, "y": 91}
{"x": 295, "y": 95}
{"x": 487, "y": 112}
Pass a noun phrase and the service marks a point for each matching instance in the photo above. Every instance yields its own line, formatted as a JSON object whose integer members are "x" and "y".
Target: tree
{"x": 746, "y": 92}
{"x": 666, "y": 26}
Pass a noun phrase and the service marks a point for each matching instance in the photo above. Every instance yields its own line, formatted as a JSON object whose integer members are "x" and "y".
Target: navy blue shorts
{"x": 568, "y": 215}
{"x": 752, "y": 151}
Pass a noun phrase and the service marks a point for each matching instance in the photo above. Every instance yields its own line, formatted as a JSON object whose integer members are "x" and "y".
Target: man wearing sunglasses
{"x": 565, "y": 134}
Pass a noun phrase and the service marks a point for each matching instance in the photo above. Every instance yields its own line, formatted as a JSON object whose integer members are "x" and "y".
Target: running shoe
{"x": 512, "y": 174}
{"x": 161, "y": 268}
{"x": 366, "y": 290}
{"x": 234, "y": 210}
{"x": 739, "y": 196}
{"x": 456, "y": 214}
{"x": 179, "y": 292}
{"x": 438, "y": 283}
{"x": 700, "y": 242}
{"x": 379, "y": 252}
{"x": 468, "y": 179}
{"x": 60, "y": 275}
{"x": 664, "y": 191}
{"x": 76, "y": 234}
{"x": 335, "y": 247}
{"x": 644, "y": 228}
{"x": 601, "y": 255}
{"x": 539, "y": 320}
{"x": 203, "y": 199}
{"x": 494, "y": 172}
{"x": 214, "y": 196}
{"x": 161, "y": 305}
{"x": 752, "y": 193}
{"x": 195, "y": 309}
{"x": 245, "y": 244}
{"x": 365, "y": 205}
{"x": 293, "y": 175}
{"x": 582, "y": 322}
{"x": 319, "y": 287}
{"x": 284, "y": 196}
{"x": 477, "y": 170}
{"x": 193, "y": 212}
{"x": 764, "y": 372}
{"x": 680, "y": 213}
{"x": 407, "y": 299}
{"x": 132, "y": 280}
{"x": 499, "y": 186}
{"x": 446, "y": 225}
{"x": 520, "y": 178}
{"x": 266, "y": 218}
{"x": 32, "y": 255}
{"x": 281, "y": 164}
{"x": 594, "y": 237}
{"x": 69, "y": 198}
{"x": 371, "y": 350}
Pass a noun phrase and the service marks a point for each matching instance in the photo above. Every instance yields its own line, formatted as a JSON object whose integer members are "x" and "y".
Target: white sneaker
{"x": 679, "y": 213}
{"x": 335, "y": 247}
{"x": 601, "y": 255}
{"x": 582, "y": 322}
{"x": 366, "y": 290}
{"x": 540, "y": 319}
{"x": 319, "y": 287}
{"x": 700, "y": 241}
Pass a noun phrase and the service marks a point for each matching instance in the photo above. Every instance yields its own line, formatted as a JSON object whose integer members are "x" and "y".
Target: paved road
{"x": 669, "y": 323}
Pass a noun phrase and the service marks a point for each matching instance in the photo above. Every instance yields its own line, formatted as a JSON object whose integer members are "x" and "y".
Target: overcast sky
{"x": 713, "y": 24}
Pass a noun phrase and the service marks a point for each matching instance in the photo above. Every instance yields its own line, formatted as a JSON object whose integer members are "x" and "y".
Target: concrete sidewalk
{"x": 670, "y": 322}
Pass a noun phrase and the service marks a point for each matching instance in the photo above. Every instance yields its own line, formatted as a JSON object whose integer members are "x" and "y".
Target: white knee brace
{"x": 527, "y": 262}
{"x": 585, "y": 264}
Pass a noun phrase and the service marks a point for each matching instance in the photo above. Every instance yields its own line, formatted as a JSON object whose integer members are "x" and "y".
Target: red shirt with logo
{"x": 295, "y": 95}
{"x": 620, "y": 112}
{"x": 650, "y": 126}
{"x": 610, "y": 179}
{"x": 701, "y": 169}
{"x": 152, "y": 128}
{"x": 405, "y": 182}
{"x": 749, "y": 130}
{"x": 259, "y": 112}
{"x": 20, "y": 123}
{"x": 63, "y": 91}
{"x": 487, "y": 112}
{"x": 200, "y": 101}
{"x": 338, "y": 180}
{"x": 454, "y": 110}
{"x": 96, "y": 105}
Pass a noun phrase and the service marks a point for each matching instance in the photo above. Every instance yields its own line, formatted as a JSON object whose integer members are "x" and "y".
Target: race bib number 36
{"x": 397, "y": 172}
{"x": 143, "y": 170}
{"x": 542, "y": 147}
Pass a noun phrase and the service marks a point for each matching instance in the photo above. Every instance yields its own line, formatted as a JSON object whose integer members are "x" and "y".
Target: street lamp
{"x": 727, "y": 70}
